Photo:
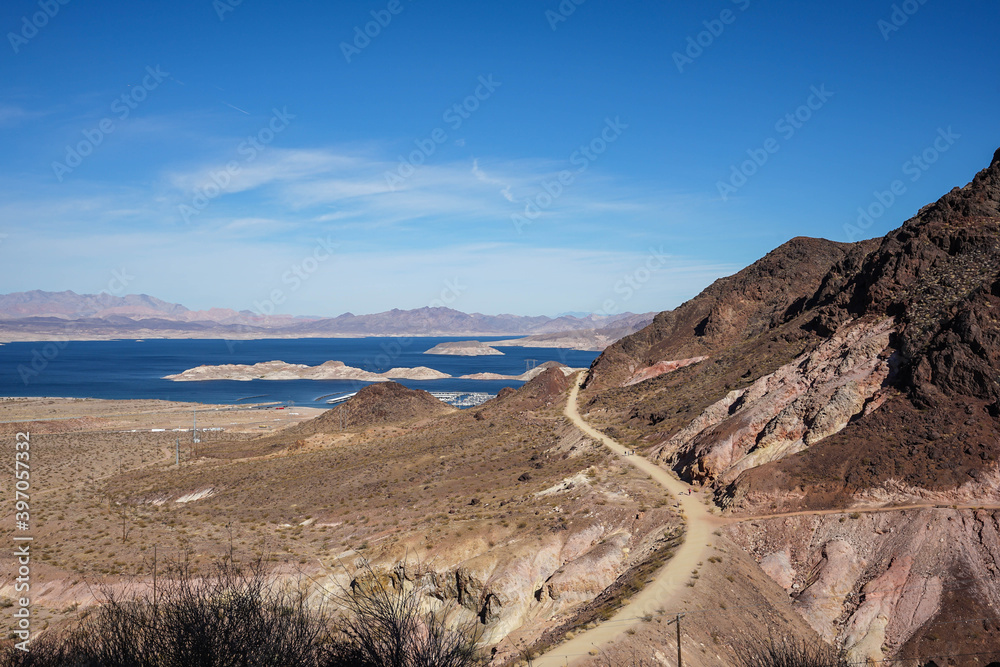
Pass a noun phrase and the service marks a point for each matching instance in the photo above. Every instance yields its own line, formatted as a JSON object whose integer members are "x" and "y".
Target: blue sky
{"x": 220, "y": 154}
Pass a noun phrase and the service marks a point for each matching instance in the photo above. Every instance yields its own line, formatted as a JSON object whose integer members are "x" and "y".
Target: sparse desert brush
{"x": 758, "y": 651}
{"x": 365, "y": 480}
{"x": 237, "y": 617}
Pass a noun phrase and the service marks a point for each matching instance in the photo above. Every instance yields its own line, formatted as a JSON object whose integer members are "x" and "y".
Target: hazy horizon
{"x": 278, "y": 312}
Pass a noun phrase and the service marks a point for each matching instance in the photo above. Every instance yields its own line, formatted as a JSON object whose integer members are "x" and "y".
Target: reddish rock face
{"x": 800, "y": 404}
{"x": 659, "y": 369}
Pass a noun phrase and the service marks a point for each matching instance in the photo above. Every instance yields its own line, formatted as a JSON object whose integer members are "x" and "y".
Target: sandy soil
{"x": 59, "y": 415}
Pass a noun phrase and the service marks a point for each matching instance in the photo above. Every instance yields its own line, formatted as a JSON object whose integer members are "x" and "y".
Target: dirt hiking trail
{"x": 670, "y": 581}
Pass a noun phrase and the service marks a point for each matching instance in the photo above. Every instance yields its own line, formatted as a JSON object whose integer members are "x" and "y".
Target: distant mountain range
{"x": 38, "y": 315}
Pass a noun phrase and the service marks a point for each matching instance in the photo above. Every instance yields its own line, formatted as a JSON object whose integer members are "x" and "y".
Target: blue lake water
{"x": 124, "y": 369}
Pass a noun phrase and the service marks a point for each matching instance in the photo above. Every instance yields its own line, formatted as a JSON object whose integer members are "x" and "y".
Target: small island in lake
{"x": 464, "y": 348}
{"x": 279, "y": 370}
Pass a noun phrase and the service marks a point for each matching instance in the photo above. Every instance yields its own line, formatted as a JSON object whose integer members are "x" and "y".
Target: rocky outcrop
{"x": 873, "y": 582}
{"x": 897, "y": 597}
{"x": 778, "y": 566}
{"x": 585, "y": 577}
{"x": 832, "y": 580}
{"x": 786, "y": 411}
{"x": 660, "y": 368}
{"x": 506, "y": 588}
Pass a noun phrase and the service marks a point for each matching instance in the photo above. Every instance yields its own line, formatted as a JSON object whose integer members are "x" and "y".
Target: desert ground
{"x": 565, "y": 545}
{"x": 106, "y": 492}
{"x": 557, "y": 533}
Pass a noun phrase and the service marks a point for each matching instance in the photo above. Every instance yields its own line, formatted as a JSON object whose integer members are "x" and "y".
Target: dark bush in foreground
{"x": 787, "y": 652}
{"x": 386, "y": 628}
{"x": 237, "y": 618}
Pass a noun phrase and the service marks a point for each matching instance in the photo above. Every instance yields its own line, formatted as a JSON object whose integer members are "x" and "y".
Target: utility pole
{"x": 178, "y": 452}
{"x": 679, "y": 659}
{"x": 194, "y": 431}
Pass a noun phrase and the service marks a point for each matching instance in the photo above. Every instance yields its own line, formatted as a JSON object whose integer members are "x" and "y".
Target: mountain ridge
{"x": 39, "y": 313}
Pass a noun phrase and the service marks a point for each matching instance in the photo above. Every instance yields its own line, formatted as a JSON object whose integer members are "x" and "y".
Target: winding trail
{"x": 670, "y": 581}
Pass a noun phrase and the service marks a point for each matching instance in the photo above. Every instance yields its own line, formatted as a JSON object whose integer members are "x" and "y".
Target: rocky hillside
{"x": 379, "y": 404}
{"x": 731, "y": 310}
{"x": 544, "y": 390}
{"x": 825, "y": 348}
{"x": 832, "y": 375}
{"x": 938, "y": 279}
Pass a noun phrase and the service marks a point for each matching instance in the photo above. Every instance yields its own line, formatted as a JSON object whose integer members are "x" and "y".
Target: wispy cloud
{"x": 445, "y": 222}
{"x": 482, "y": 177}
{"x": 271, "y": 166}
{"x": 350, "y": 187}
{"x": 232, "y": 106}
{"x": 12, "y": 115}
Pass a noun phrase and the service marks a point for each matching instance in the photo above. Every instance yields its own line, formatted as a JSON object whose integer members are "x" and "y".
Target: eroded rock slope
{"x": 842, "y": 376}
